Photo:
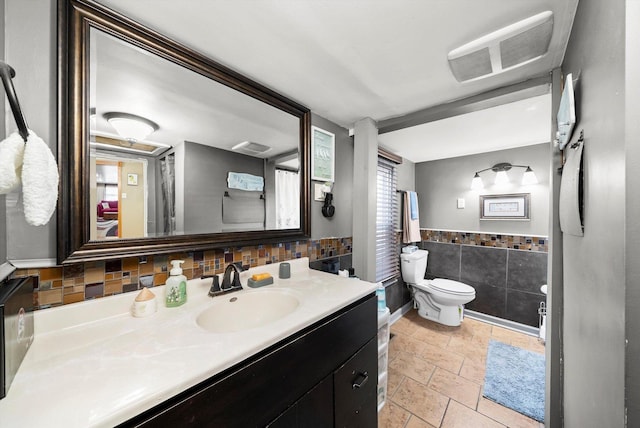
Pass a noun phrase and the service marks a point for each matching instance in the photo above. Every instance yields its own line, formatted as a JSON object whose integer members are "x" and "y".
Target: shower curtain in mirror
{"x": 168, "y": 174}
{"x": 287, "y": 199}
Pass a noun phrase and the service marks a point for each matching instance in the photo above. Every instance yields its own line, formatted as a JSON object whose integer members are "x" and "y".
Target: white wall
{"x": 440, "y": 183}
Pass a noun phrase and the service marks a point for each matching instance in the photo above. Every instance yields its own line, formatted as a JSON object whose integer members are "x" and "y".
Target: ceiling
{"x": 351, "y": 59}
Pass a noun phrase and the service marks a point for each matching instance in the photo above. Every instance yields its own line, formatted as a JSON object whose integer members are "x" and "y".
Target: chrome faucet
{"x": 228, "y": 284}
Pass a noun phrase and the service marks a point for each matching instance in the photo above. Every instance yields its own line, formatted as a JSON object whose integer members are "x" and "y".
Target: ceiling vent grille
{"x": 510, "y": 47}
{"x": 250, "y": 148}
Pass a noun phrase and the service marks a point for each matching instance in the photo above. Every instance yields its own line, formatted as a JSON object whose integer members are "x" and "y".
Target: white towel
{"x": 11, "y": 155}
{"x": 39, "y": 181}
{"x": 410, "y": 228}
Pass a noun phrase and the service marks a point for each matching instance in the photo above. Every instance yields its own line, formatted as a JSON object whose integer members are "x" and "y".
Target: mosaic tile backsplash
{"x": 513, "y": 242}
{"x": 83, "y": 281}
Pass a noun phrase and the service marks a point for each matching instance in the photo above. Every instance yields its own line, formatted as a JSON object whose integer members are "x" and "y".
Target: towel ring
{"x": 6, "y": 74}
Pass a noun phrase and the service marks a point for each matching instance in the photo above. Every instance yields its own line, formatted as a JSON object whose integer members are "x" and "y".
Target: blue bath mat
{"x": 514, "y": 377}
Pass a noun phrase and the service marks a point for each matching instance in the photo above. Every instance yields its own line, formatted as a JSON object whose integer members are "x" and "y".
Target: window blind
{"x": 386, "y": 237}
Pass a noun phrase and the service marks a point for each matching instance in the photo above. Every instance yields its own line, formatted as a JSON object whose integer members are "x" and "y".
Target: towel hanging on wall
{"x": 29, "y": 160}
{"x": 11, "y": 155}
{"x": 410, "y": 218}
{"x": 39, "y": 181}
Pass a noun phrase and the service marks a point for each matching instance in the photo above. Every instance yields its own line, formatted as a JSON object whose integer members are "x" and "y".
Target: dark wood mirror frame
{"x": 75, "y": 18}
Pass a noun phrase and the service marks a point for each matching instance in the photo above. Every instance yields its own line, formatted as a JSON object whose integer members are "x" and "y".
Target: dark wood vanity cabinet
{"x": 322, "y": 376}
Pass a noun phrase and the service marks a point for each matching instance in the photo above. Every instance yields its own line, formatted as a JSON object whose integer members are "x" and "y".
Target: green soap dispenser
{"x": 175, "y": 291}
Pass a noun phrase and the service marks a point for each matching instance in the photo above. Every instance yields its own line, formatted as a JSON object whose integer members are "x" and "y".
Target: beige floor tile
{"x": 480, "y": 340}
{"x": 460, "y": 416}
{"x": 394, "y": 378}
{"x": 404, "y": 325}
{"x": 479, "y": 328}
{"x": 504, "y": 334}
{"x": 520, "y": 341}
{"x": 535, "y": 345}
{"x": 453, "y": 386}
{"x": 414, "y": 367}
{"x": 473, "y": 371}
{"x": 473, "y": 350}
{"x": 504, "y": 415}
{"x": 407, "y": 344}
{"x": 432, "y": 337}
{"x": 416, "y": 422}
{"x": 421, "y": 401}
{"x": 465, "y": 330}
{"x": 392, "y": 416}
{"x": 443, "y": 358}
{"x": 439, "y": 383}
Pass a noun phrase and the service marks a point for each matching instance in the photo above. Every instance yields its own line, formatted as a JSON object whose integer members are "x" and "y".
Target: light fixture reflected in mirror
{"x": 131, "y": 127}
{"x": 528, "y": 178}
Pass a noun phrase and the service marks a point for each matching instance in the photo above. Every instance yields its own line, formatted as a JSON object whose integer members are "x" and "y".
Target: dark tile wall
{"x": 397, "y": 295}
{"x": 507, "y": 281}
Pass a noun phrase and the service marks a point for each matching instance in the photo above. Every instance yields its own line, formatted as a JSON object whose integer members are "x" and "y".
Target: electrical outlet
{"x": 460, "y": 203}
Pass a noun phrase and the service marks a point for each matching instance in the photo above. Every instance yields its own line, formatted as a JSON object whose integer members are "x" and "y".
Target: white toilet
{"x": 439, "y": 300}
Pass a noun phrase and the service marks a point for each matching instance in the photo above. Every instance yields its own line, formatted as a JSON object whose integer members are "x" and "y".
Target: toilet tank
{"x": 413, "y": 266}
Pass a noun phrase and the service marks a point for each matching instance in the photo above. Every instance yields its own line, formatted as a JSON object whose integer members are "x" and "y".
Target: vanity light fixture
{"x": 528, "y": 178}
{"x": 131, "y": 127}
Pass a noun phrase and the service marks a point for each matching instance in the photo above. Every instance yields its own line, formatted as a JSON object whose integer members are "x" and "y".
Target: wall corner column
{"x": 365, "y": 167}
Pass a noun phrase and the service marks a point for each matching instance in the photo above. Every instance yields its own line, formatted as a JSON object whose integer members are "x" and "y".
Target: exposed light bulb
{"x": 476, "y": 183}
{"x": 529, "y": 178}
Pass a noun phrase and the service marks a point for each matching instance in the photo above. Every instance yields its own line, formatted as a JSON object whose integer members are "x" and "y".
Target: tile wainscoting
{"x": 506, "y": 271}
{"x": 83, "y": 281}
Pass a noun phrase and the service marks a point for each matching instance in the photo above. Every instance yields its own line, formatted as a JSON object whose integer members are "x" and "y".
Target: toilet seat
{"x": 447, "y": 286}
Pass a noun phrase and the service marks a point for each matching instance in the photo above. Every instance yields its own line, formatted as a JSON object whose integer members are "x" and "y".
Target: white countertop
{"x": 94, "y": 364}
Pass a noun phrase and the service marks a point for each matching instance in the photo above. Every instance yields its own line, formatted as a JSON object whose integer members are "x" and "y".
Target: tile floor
{"x": 436, "y": 375}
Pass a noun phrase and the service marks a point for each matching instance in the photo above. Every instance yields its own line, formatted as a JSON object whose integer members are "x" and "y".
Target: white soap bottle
{"x": 175, "y": 291}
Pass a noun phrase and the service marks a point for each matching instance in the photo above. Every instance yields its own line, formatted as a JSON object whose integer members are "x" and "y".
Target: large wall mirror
{"x": 165, "y": 150}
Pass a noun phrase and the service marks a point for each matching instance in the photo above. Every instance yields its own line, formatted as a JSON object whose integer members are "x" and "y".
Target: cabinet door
{"x": 314, "y": 410}
{"x": 355, "y": 389}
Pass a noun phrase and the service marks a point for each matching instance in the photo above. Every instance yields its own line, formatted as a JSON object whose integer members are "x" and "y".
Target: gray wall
{"x": 440, "y": 183}
{"x": 340, "y": 224}
{"x": 3, "y": 203}
{"x": 205, "y": 181}
{"x": 594, "y": 265}
{"x": 632, "y": 76}
{"x": 30, "y": 48}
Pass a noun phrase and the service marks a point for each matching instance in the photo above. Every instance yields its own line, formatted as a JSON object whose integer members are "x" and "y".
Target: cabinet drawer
{"x": 355, "y": 386}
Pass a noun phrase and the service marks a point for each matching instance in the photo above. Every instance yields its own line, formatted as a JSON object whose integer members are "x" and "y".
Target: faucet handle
{"x": 215, "y": 285}
{"x": 236, "y": 279}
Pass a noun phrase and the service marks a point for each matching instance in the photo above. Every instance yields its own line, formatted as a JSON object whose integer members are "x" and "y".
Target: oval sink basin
{"x": 238, "y": 312}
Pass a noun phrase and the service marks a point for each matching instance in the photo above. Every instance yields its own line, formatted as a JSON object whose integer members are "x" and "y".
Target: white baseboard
{"x": 511, "y": 325}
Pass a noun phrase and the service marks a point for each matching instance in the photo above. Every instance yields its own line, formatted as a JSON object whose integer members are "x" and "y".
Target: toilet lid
{"x": 453, "y": 287}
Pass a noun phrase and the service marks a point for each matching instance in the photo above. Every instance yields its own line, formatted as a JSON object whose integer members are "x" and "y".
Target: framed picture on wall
{"x": 322, "y": 155}
{"x": 505, "y": 207}
{"x": 132, "y": 179}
